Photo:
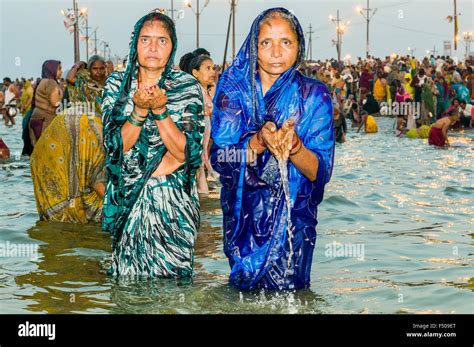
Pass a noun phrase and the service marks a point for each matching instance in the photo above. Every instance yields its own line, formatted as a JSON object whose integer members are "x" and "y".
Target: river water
{"x": 395, "y": 235}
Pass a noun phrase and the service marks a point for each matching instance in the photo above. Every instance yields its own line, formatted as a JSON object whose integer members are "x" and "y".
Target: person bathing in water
{"x": 438, "y": 135}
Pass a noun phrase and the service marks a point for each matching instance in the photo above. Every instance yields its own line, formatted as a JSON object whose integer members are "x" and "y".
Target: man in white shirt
{"x": 10, "y": 103}
{"x": 439, "y": 64}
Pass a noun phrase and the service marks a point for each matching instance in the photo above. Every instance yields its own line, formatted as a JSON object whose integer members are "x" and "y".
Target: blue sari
{"x": 252, "y": 196}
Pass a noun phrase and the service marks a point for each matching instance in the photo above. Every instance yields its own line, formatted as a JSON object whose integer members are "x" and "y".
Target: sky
{"x": 32, "y": 31}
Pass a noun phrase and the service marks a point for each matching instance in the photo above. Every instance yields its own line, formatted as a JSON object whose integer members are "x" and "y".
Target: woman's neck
{"x": 267, "y": 80}
{"x": 149, "y": 77}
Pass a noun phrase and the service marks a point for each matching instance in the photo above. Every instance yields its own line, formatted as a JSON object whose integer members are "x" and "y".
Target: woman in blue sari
{"x": 267, "y": 112}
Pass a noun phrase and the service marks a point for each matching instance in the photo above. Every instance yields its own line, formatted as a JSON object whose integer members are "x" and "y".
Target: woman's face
{"x": 277, "y": 46}
{"x": 206, "y": 74}
{"x": 154, "y": 46}
{"x": 98, "y": 71}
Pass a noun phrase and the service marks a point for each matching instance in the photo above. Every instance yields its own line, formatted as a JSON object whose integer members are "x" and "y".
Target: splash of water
{"x": 283, "y": 167}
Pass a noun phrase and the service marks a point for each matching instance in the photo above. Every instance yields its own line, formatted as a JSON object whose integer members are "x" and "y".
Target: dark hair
{"x": 196, "y": 62}
{"x": 185, "y": 60}
{"x": 462, "y": 102}
{"x": 201, "y": 51}
{"x": 453, "y": 112}
{"x": 192, "y": 61}
{"x": 455, "y": 99}
{"x": 7, "y": 79}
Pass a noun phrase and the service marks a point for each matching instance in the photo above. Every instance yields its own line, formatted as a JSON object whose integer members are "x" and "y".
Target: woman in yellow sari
{"x": 380, "y": 88}
{"x": 67, "y": 168}
{"x": 369, "y": 123}
{"x": 26, "y": 98}
{"x": 67, "y": 163}
{"x": 407, "y": 86}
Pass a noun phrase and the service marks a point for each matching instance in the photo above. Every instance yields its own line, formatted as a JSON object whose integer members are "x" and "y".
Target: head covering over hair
{"x": 50, "y": 69}
{"x": 185, "y": 107}
{"x": 240, "y": 110}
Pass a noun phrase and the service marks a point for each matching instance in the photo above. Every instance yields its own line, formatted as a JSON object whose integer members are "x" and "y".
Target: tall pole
{"x": 227, "y": 38}
{"x": 172, "y": 10}
{"x": 76, "y": 32}
{"x": 368, "y": 16}
{"x": 468, "y": 36}
{"x": 338, "y": 31}
{"x": 95, "y": 41}
{"x": 198, "y": 13}
{"x": 87, "y": 36}
{"x": 105, "y": 49}
{"x": 310, "y": 46}
{"x": 367, "y": 39}
{"x": 233, "y": 29}
{"x": 340, "y": 28}
{"x": 466, "y": 55}
{"x": 455, "y": 27}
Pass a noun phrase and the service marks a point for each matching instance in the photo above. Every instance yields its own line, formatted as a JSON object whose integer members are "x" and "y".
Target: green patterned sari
{"x": 153, "y": 221}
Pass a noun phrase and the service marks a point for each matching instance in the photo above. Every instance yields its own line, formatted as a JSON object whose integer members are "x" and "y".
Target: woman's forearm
{"x": 306, "y": 162}
{"x": 254, "y": 149}
{"x": 71, "y": 76}
{"x": 131, "y": 132}
{"x": 173, "y": 138}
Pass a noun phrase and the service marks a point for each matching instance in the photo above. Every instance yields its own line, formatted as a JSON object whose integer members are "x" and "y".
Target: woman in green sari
{"x": 153, "y": 121}
{"x": 428, "y": 101}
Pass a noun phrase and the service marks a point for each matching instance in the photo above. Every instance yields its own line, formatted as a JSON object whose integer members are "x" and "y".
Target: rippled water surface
{"x": 408, "y": 206}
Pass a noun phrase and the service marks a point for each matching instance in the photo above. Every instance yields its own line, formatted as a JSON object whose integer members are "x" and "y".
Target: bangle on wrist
{"x": 160, "y": 116}
{"x": 136, "y": 119}
{"x": 299, "y": 145}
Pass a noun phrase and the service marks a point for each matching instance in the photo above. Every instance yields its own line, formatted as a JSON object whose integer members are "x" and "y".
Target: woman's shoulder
{"x": 114, "y": 79}
{"x": 181, "y": 80}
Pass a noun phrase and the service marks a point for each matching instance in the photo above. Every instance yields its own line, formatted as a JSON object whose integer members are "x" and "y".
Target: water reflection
{"x": 68, "y": 277}
{"x": 411, "y": 205}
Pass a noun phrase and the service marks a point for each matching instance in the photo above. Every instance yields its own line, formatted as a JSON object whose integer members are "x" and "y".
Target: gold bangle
{"x": 299, "y": 149}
